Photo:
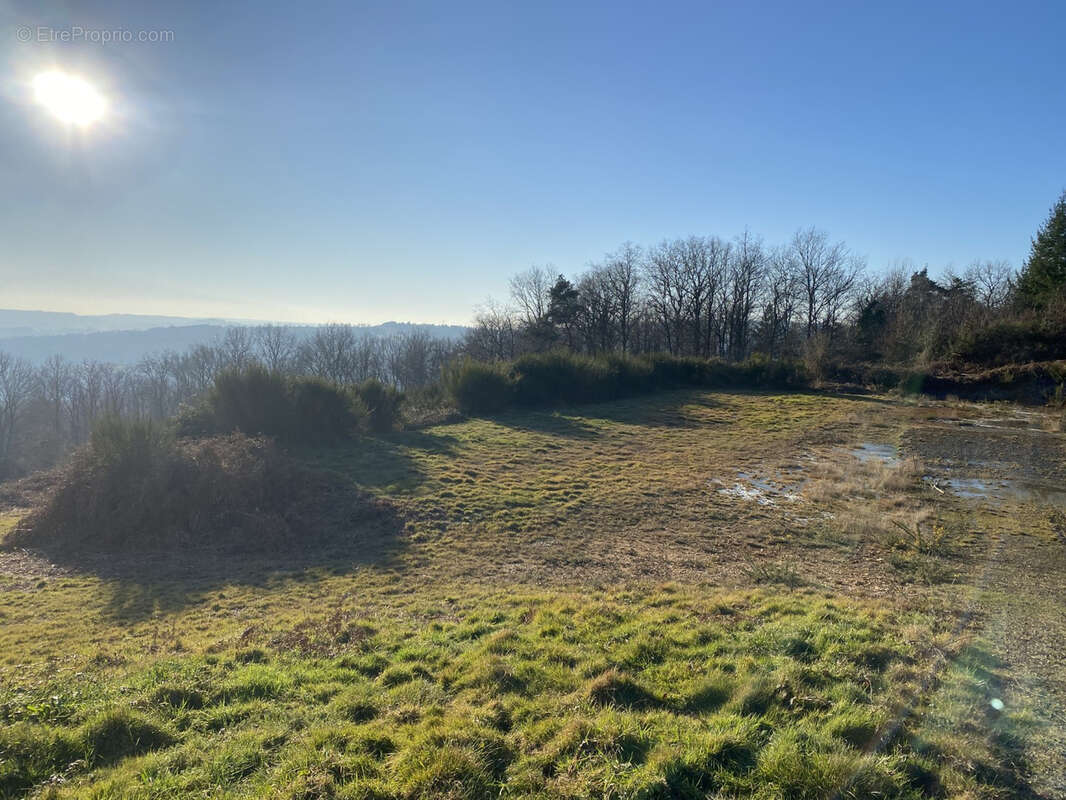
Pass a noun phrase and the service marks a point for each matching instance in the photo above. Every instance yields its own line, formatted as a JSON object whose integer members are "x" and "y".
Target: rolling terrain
{"x": 685, "y": 595}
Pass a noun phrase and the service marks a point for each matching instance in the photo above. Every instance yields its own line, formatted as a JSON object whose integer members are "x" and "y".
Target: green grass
{"x": 571, "y": 609}
{"x": 629, "y": 694}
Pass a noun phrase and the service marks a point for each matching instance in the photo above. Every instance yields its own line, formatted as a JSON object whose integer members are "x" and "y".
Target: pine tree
{"x": 1044, "y": 274}
{"x": 563, "y": 307}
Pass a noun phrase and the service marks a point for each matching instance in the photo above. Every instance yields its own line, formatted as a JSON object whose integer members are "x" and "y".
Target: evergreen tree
{"x": 1044, "y": 274}
{"x": 564, "y": 307}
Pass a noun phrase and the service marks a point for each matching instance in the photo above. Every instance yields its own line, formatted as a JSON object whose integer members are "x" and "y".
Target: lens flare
{"x": 69, "y": 98}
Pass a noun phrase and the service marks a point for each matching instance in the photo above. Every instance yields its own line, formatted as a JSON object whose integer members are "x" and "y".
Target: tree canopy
{"x": 1044, "y": 274}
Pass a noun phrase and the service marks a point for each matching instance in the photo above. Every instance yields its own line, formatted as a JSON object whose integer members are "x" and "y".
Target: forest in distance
{"x": 810, "y": 303}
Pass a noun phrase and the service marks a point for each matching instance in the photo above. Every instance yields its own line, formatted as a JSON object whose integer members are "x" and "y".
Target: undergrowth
{"x": 560, "y": 377}
{"x": 135, "y": 488}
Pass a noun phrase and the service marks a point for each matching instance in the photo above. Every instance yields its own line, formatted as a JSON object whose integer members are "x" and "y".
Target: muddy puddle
{"x": 872, "y": 452}
{"x": 1015, "y": 421}
{"x": 764, "y": 491}
{"x": 994, "y": 490}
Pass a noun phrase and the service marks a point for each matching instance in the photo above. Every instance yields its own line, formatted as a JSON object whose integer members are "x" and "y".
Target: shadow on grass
{"x": 383, "y": 462}
{"x": 961, "y": 700}
{"x": 348, "y": 531}
{"x": 667, "y": 409}
{"x": 552, "y": 423}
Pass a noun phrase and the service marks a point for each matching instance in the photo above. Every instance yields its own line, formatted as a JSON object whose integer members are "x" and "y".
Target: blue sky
{"x": 372, "y": 161}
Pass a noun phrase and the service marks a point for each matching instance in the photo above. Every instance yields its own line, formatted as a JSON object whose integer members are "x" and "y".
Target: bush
{"x": 1014, "y": 342}
{"x": 562, "y": 377}
{"x": 629, "y": 375}
{"x": 294, "y": 410}
{"x": 136, "y": 488}
{"x": 541, "y": 379}
{"x": 478, "y": 387}
{"x": 129, "y": 448}
{"x": 669, "y": 372}
{"x": 253, "y": 401}
{"x": 382, "y": 404}
{"x": 323, "y": 412}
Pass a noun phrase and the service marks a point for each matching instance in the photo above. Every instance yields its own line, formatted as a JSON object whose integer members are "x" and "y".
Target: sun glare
{"x": 69, "y": 98}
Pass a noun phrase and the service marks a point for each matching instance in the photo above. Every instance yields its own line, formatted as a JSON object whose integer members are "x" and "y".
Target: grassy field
{"x": 694, "y": 594}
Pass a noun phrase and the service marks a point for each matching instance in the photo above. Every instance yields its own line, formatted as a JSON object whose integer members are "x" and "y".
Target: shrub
{"x": 382, "y": 404}
{"x": 253, "y": 401}
{"x": 478, "y": 387}
{"x": 129, "y": 448}
{"x": 563, "y": 377}
{"x": 323, "y": 412}
{"x": 560, "y": 377}
{"x": 294, "y": 410}
{"x": 195, "y": 419}
{"x": 670, "y": 372}
{"x": 629, "y": 374}
{"x": 817, "y": 357}
{"x": 134, "y": 487}
{"x": 429, "y": 405}
{"x": 1014, "y": 341}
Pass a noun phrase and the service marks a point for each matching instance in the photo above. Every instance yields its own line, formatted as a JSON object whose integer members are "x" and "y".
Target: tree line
{"x": 49, "y": 408}
{"x": 706, "y": 296}
{"x": 809, "y": 300}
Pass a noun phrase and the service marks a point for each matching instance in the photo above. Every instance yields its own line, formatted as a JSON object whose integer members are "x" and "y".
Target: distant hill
{"x": 53, "y": 323}
{"x": 36, "y": 335}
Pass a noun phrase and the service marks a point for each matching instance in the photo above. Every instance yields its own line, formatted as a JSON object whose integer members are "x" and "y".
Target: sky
{"x": 363, "y": 162}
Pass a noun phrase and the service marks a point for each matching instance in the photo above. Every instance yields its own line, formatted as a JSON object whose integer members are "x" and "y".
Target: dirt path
{"x": 995, "y": 468}
{"x": 1022, "y": 607}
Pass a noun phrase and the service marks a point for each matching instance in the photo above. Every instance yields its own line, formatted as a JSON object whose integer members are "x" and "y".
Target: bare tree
{"x": 529, "y": 290}
{"x": 702, "y": 263}
{"x": 494, "y": 336}
{"x": 115, "y": 389}
{"x": 993, "y": 282}
{"x": 16, "y": 390}
{"x": 329, "y": 353}
{"x": 667, "y": 291}
{"x": 415, "y": 359}
{"x": 157, "y": 373}
{"x": 622, "y": 282}
{"x": 598, "y": 317}
{"x": 746, "y": 274}
{"x": 86, "y": 394}
{"x": 237, "y": 348}
{"x": 781, "y": 298}
{"x": 54, "y": 377}
{"x": 368, "y": 359}
{"x": 275, "y": 346}
{"x": 199, "y": 366}
{"x": 828, "y": 272}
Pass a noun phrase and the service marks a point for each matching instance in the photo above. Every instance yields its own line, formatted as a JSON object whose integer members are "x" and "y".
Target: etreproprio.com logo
{"x": 76, "y": 34}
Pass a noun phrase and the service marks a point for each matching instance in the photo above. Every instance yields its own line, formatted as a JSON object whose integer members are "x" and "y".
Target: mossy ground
{"x": 574, "y": 608}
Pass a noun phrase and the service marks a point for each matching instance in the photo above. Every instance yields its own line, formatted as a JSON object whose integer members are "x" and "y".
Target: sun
{"x": 69, "y": 98}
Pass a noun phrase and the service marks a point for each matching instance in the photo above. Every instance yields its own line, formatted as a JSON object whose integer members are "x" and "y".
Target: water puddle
{"x": 872, "y": 452}
{"x": 763, "y": 491}
{"x": 1006, "y": 424}
{"x": 1000, "y": 490}
{"x": 750, "y": 494}
{"x": 1030, "y": 421}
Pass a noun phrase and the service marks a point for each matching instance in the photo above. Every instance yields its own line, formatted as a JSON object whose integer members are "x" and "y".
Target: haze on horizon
{"x": 376, "y": 162}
